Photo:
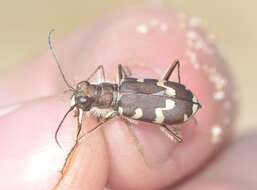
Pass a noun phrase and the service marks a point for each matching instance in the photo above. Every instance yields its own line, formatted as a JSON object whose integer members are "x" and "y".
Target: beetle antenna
{"x": 59, "y": 126}
{"x": 56, "y": 59}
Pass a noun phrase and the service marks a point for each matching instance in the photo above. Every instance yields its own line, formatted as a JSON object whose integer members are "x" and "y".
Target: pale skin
{"x": 30, "y": 158}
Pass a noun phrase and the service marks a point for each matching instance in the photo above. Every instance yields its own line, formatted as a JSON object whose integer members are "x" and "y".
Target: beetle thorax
{"x": 88, "y": 96}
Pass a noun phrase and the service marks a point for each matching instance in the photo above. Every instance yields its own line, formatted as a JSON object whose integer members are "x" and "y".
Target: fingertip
{"x": 87, "y": 167}
{"x": 27, "y": 142}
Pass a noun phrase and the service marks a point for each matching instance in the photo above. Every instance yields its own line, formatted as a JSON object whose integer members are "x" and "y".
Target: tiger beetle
{"x": 161, "y": 102}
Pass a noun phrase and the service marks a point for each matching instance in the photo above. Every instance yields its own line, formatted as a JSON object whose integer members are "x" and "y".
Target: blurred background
{"x": 25, "y": 26}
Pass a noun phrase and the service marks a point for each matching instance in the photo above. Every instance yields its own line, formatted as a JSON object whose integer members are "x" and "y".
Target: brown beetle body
{"x": 149, "y": 100}
{"x": 162, "y": 102}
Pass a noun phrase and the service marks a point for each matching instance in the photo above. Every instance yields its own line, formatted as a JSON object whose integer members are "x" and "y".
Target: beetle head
{"x": 82, "y": 97}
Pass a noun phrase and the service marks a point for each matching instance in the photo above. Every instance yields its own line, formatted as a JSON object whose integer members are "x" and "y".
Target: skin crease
{"x": 109, "y": 157}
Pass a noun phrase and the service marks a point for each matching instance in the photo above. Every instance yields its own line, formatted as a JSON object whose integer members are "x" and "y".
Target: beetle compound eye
{"x": 82, "y": 99}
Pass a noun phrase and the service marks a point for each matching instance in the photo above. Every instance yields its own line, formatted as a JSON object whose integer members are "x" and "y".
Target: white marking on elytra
{"x": 140, "y": 80}
{"x": 216, "y": 134}
{"x": 194, "y": 99}
{"x": 185, "y": 117}
{"x": 6, "y": 110}
{"x": 194, "y": 108}
{"x": 138, "y": 113}
{"x": 142, "y": 29}
{"x": 169, "y": 105}
{"x": 169, "y": 91}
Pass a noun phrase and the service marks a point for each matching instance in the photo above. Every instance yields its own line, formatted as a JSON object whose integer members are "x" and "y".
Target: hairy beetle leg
{"x": 136, "y": 142}
{"x": 66, "y": 165}
{"x": 170, "y": 71}
{"x": 172, "y": 133}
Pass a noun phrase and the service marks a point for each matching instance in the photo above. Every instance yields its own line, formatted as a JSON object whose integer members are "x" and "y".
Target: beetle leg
{"x": 98, "y": 73}
{"x": 127, "y": 70}
{"x": 123, "y": 72}
{"x": 107, "y": 118}
{"x": 68, "y": 159}
{"x": 80, "y": 114}
{"x": 172, "y": 133}
{"x": 171, "y": 69}
{"x": 195, "y": 121}
{"x": 66, "y": 165}
{"x": 135, "y": 140}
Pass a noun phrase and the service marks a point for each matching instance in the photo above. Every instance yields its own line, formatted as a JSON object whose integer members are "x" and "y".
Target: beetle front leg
{"x": 171, "y": 69}
{"x": 172, "y": 133}
{"x": 68, "y": 159}
{"x": 80, "y": 114}
{"x": 66, "y": 165}
{"x": 107, "y": 118}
